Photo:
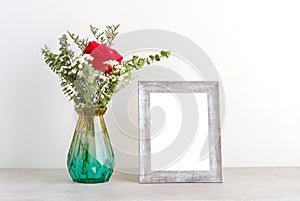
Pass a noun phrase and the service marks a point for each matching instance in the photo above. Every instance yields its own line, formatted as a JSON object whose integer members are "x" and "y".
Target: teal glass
{"x": 90, "y": 158}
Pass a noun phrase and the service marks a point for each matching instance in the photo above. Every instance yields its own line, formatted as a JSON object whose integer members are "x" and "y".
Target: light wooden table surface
{"x": 263, "y": 184}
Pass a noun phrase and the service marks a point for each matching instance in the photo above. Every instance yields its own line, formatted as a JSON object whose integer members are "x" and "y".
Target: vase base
{"x": 91, "y": 181}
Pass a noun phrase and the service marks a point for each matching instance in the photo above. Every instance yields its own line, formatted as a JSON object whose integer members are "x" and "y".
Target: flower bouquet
{"x": 90, "y": 77}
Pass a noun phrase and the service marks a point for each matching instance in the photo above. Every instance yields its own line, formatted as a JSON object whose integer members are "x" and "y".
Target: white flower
{"x": 102, "y": 77}
{"x": 85, "y": 59}
{"x": 112, "y": 63}
{"x": 118, "y": 66}
{"x": 89, "y": 57}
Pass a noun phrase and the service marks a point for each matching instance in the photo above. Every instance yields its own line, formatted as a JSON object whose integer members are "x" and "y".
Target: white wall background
{"x": 255, "y": 46}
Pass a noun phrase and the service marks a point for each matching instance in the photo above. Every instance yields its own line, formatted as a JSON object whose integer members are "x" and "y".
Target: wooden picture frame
{"x": 209, "y": 88}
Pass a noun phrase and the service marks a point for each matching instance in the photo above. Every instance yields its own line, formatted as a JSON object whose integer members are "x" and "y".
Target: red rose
{"x": 101, "y": 54}
{"x": 91, "y": 46}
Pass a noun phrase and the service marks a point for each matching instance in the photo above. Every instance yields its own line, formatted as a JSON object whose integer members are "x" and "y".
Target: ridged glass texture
{"x": 90, "y": 158}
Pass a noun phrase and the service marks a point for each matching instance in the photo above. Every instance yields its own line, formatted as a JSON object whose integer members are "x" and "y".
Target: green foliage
{"x": 138, "y": 63}
{"x": 62, "y": 65}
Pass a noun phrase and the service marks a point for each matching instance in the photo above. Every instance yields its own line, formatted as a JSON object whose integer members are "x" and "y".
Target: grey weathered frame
{"x": 212, "y": 89}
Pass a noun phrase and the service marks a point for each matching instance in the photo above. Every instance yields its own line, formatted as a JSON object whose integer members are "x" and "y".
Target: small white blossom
{"x": 84, "y": 59}
{"x": 112, "y": 63}
{"x": 89, "y": 57}
{"x": 118, "y": 66}
{"x": 102, "y": 77}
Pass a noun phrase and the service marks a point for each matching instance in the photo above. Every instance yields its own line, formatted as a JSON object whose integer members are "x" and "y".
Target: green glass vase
{"x": 90, "y": 158}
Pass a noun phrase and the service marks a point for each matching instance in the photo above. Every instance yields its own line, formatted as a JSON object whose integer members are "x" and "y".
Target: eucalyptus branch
{"x": 65, "y": 47}
{"x": 136, "y": 62}
{"x": 62, "y": 64}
